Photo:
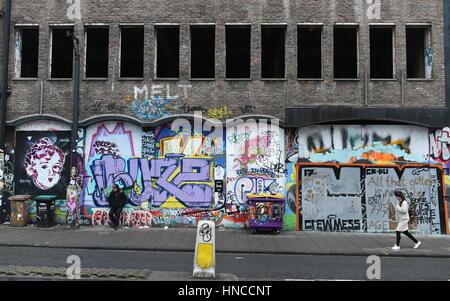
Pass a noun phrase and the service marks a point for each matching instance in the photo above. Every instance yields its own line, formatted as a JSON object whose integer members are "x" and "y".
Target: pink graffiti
{"x": 103, "y": 132}
{"x": 100, "y": 218}
{"x": 140, "y": 218}
{"x": 72, "y": 203}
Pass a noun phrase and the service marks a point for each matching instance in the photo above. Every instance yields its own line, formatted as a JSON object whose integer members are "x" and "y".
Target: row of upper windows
{"x": 310, "y": 50}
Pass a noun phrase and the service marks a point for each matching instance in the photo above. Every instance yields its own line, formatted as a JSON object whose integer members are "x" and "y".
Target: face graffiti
{"x": 44, "y": 163}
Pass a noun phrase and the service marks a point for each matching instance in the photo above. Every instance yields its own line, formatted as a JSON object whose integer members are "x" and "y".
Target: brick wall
{"x": 252, "y": 96}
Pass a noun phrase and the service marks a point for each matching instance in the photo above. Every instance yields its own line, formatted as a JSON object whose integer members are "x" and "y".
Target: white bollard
{"x": 205, "y": 251}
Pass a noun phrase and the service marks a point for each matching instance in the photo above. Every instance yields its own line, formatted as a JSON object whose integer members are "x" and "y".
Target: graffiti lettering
{"x": 247, "y": 109}
{"x": 105, "y": 147}
{"x": 219, "y": 113}
{"x": 187, "y": 179}
{"x": 190, "y": 109}
{"x": 365, "y": 193}
{"x": 440, "y": 145}
{"x": 332, "y": 223}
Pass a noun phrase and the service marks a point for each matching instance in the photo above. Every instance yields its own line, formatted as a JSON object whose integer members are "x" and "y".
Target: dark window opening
{"x": 97, "y": 46}
{"x": 273, "y": 52}
{"x": 309, "y": 48}
{"x": 62, "y": 53}
{"x": 415, "y": 52}
{"x": 238, "y": 51}
{"x": 132, "y": 52}
{"x": 381, "y": 53}
{"x": 167, "y": 52}
{"x": 29, "y": 52}
{"x": 203, "y": 51}
{"x": 345, "y": 52}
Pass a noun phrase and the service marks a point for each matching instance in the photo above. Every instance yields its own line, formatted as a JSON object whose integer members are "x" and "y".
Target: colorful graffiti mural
{"x": 255, "y": 160}
{"x": 187, "y": 180}
{"x": 362, "y": 144}
{"x": 178, "y": 175}
{"x": 161, "y": 169}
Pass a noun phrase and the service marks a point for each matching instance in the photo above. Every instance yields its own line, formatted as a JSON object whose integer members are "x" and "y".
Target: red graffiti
{"x": 101, "y": 218}
{"x": 140, "y": 219}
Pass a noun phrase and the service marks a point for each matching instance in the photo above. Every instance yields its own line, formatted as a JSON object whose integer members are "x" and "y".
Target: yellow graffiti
{"x": 402, "y": 144}
{"x": 320, "y": 150}
{"x": 172, "y": 202}
{"x": 137, "y": 188}
{"x": 219, "y": 113}
{"x": 399, "y": 142}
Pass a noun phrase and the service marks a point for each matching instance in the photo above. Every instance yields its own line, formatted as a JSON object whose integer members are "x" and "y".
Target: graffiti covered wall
{"x": 355, "y": 197}
{"x": 363, "y": 144}
{"x": 171, "y": 175}
{"x": 255, "y": 160}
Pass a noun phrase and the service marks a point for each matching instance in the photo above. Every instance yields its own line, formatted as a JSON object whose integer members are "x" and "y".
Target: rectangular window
{"x": 203, "y": 51}
{"x": 273, "y": 51}
{"x": 27, "y": 52}
{"x": 61, "y": 53}
{"x": 167, "y": 51}
{"x": 238, "y": 47}
{"x": 97, "y": 47}
{"x": 381, "y": 52}
{"x": 345, "y": 52}
{"x": 419, "y": 52}
{"x": 309, "y": 51}
{"x": 132, "y": 52}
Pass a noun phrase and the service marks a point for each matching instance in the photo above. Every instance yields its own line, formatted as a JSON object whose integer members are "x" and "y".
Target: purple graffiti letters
{"x": 186, "y": 179}
{"x": 192, "y": 170}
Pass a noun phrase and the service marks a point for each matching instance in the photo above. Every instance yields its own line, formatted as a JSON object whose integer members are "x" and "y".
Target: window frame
{"x": 428, "y": 26}
{"x": 191, "y": 25}
{"x": 85, "y": 31}
{"x": 393, "y": 27}
{"x": 18, "y": 54}
{"x": 130, "y": 25}
{"x": 357, "y": 27}
{"x": 275, "y": 25}
{"x": 155, "y": 28}
{"x": 322, "y": 50}
{"x": 250, "y": 26}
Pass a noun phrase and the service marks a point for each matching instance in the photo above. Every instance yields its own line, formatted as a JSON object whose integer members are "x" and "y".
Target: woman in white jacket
{"x": 403, "y": 220}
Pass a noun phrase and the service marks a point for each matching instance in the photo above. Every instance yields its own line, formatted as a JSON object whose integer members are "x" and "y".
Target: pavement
{"x": 227, "y": 241}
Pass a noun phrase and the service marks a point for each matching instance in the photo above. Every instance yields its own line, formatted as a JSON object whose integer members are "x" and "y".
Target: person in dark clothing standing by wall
{"x": 403, "y": 220}
{"x": 117, "y": 200}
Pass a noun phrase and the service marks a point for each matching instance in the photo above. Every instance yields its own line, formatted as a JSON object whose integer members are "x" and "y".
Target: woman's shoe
{"x": 396, "y": 248}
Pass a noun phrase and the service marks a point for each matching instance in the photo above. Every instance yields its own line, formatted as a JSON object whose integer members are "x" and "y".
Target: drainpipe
{"x": 75, "y": 99}
{"x": 4, "y": 88}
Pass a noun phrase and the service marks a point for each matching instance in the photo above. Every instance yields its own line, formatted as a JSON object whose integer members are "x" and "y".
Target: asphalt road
{"x": 244, "y": 266}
